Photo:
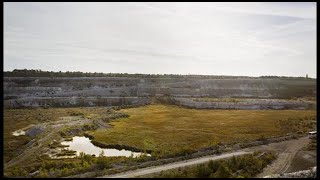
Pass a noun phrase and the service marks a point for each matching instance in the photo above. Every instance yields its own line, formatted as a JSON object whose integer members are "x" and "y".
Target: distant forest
{"x": 40, "y": 73}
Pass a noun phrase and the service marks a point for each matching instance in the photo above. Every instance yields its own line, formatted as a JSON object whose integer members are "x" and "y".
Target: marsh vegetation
{"x": 163, "y": 130}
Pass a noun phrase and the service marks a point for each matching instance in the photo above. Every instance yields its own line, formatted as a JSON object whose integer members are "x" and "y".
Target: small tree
{"x": 102, "y": 161}
{"x": 213, "y": 165}
{"x": 203, "y": 171}
{"x": 222, "y": 172}
{"x": 82, "y": 155}
{"x": 101, "y": 153}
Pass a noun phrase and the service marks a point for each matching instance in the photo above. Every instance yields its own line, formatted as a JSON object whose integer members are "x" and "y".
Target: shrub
{"x": 213, "y": 165}
{"x": 88, "y": 158}
{"x": 245, "y": 166}
{"x": 202, "y": 171}
{"x": 222, "y": 172}
{"x": 17, "y": 172}
{"x": 76, "y": 114}
{"x": 103, "y": 162}
{"x": 43, "y": 174}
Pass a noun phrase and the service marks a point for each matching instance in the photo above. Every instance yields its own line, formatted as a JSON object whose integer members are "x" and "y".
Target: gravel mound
{"x": 35, "y": 130}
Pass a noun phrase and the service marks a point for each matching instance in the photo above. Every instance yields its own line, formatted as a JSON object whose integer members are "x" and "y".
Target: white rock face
{"x": 102, "y": 91}
{"x": 254, "y": 104}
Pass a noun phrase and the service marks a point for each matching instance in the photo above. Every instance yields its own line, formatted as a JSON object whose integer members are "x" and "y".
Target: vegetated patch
{"x": 76, "y": 114}
{"x": 300, "y": 125}
{"x": 21, "y": 118}
{"x": 312, "y": 145}
{"x": 82, "y": 163}
{"x": 65, "y": 152}
{"x": 245, "y": 166}
{"x": 144, "y": 127}
{"x": 169, "y": 130}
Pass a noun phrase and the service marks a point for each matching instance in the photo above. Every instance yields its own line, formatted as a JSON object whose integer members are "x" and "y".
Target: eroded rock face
{"x": 254, "y": 104}
{"x": 118, "y": 91}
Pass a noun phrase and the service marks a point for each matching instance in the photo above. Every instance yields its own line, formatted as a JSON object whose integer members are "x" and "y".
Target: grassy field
{"x": 167, "y": 129}
{"x": 170, "y": 129}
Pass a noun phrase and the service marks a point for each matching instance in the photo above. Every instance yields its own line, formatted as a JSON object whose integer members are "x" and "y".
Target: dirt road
{"x": 155, "y": 169}
{"x": 286, "y": 152}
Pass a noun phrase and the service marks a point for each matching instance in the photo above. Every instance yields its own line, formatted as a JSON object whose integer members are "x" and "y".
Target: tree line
{"x": 40, "y": 73}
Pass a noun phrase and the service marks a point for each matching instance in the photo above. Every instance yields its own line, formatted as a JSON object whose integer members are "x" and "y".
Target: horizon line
{"x": 161, "y": 74}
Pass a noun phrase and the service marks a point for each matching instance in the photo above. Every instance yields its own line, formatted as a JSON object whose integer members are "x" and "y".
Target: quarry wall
{"x": 117, "y": 91}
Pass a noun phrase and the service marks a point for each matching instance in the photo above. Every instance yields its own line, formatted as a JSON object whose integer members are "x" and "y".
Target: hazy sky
{"x": 180, "y": 38}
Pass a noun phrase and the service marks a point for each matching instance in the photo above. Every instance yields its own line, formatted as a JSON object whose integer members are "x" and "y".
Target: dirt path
{"x": 155, "y": 169}
{"x": 287, "y": 151}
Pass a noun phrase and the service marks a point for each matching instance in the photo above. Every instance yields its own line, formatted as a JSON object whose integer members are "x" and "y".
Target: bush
{"x": 242, "y": 166}
{"x": 103, "y": 162}
{"x": 77, "y": 114}
{"x": 88, "y": 158}
{"x": 222, "y": 172}
{"x": 17, "y": 172}
{"x": 65, "y": 171}
{"x": 202, "y": 171}
{"x": 213, "y": 165}
{"x": 43, "y": 174}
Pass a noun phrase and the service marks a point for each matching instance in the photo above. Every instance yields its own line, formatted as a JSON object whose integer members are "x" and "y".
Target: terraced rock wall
{"x": 117, "y": 91}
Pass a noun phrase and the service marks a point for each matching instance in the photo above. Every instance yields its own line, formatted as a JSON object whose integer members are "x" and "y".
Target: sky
{"x": 210, "y": 38}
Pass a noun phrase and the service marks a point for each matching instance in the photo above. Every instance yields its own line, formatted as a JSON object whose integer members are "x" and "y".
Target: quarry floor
{"x": 189, "y": 126}
{"x": 291, "y": 156}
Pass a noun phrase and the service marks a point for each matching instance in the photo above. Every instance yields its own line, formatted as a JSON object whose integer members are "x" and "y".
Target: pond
{"x": 19, "y": 133}
{"x": 84, "y": 144}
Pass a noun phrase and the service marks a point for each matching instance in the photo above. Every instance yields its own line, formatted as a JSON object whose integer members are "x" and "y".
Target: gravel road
{"x": 286, "y": 152}
{"x": 155, "y": 169}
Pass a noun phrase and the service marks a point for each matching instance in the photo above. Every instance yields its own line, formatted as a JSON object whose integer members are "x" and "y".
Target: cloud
{"x": 202, "y": 38}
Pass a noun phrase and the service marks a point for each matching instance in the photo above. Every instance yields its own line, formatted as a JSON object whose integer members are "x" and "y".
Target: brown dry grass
{"x": 172, "y": 129}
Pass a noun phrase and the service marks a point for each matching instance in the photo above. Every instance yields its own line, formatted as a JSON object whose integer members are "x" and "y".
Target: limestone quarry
{"x": 123, "y": 117}
{"x": 258, "y": 93}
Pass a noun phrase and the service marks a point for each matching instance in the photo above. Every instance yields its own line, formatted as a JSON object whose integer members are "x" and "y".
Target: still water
{"x": 83, "y": 144}
{"x": 19, "y": 133}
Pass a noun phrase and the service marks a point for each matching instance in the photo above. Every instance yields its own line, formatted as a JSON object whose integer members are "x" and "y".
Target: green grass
{"x": 15, "y": 119}
{"x": 170, "y": 129}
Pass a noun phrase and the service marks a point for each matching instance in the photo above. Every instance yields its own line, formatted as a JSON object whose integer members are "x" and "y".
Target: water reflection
{"x": 19, "y": 133}
{"x": 83, "y": 144}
